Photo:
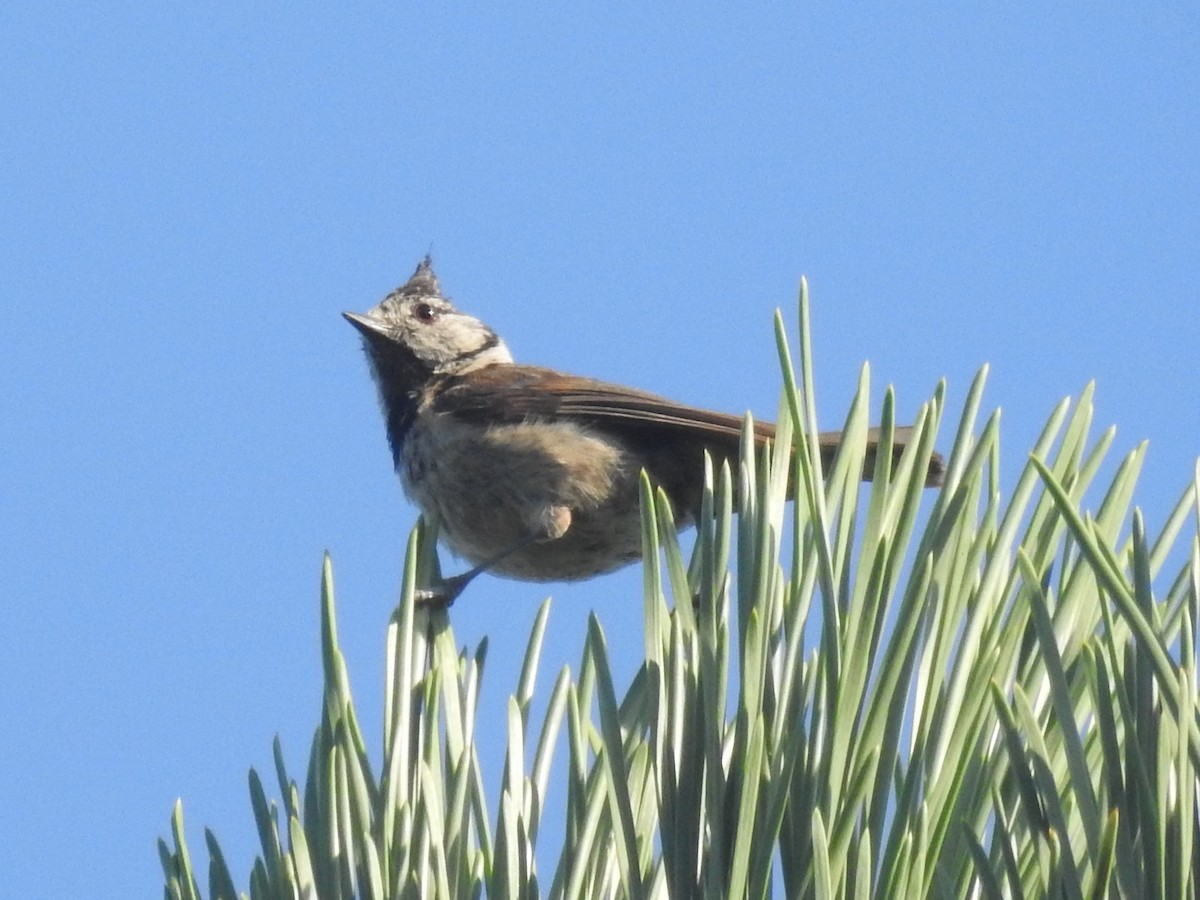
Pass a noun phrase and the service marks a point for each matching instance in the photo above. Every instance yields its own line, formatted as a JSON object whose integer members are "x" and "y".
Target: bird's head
{"x": 415, "y": 334}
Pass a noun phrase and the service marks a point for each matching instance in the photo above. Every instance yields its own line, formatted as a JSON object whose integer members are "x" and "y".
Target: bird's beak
{"x": 368, "y": 325}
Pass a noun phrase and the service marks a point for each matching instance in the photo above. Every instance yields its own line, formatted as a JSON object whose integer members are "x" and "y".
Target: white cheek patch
{"x": 463, "y": 343}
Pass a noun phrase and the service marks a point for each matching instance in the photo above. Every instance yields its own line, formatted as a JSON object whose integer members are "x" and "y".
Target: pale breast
{"x": 492, "y": 488}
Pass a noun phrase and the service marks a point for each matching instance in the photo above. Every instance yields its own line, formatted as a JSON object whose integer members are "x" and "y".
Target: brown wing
{"x": 670, "y": 437}
{"x": 512, "y": 393}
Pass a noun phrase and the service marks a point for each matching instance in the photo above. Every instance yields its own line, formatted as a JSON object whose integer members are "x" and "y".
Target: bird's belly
{"x": 493, "y": 489}
{"x": 590, "y": 547}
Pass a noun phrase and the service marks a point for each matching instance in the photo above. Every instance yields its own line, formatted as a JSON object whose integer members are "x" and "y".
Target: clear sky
{"x": 191, "y": 196}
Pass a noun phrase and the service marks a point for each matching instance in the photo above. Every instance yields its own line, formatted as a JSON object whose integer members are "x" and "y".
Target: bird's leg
{"x": 552, "y": 523}
{"x": 447, "y": 592}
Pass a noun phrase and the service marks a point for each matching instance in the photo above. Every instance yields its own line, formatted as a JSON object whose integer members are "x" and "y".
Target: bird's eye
{"x": 425, "y": 312}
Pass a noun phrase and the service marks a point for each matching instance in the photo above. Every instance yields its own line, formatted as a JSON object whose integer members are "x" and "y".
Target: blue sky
{"x": 191, "y": 197}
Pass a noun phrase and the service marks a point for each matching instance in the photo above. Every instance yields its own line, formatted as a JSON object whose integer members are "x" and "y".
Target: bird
{"x": 532, "y": 473}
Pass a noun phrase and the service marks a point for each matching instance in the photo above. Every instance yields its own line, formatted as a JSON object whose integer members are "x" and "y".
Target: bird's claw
{"x": 442, "y": 596}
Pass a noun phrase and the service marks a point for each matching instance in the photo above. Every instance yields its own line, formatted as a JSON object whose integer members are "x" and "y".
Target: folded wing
{"x": 670, "y": 436}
